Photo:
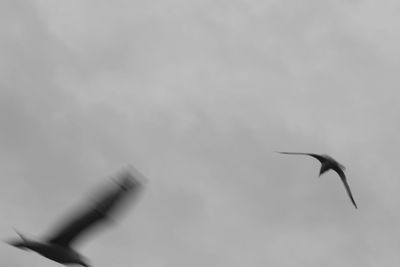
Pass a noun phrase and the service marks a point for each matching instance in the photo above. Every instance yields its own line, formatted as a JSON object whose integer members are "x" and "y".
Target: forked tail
{"x": 20, "y": 243}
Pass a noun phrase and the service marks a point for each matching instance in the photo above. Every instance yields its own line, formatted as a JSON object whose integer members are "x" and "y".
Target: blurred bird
{"x": 328, "y": 163}
{"x": 58, "y": 246}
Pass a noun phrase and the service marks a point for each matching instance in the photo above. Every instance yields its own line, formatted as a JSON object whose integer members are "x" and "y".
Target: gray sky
{"x": 197, "y": 95}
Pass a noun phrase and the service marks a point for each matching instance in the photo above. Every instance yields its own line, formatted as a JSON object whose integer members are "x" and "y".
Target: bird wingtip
{"x": 130, "y": 177}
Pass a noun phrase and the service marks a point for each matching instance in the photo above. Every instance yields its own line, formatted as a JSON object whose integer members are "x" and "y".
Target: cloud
{"x": 198, "y": 96}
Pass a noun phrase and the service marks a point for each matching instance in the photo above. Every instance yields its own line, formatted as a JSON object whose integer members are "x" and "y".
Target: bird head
{"x": 83, "y": 263}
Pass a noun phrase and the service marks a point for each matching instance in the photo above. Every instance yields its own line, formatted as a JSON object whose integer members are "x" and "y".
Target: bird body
{"x": 59, "y": 245}
{"x": 60, "y": 254}
{"x": 328, "y": 163}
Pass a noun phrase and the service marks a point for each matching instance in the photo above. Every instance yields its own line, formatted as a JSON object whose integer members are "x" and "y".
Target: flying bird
{"x": 328, "y": 163}
{"x": 59, "y": 245}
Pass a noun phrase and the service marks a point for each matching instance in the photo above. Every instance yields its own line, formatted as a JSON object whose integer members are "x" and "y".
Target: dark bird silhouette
{"x": 328, "y": 163}
{"x": 58, "y": 246}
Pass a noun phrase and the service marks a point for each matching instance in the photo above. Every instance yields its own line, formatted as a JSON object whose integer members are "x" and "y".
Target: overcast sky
{"x": 197, "y": 95}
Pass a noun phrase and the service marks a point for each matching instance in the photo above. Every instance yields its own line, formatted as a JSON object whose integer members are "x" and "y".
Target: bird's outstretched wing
{"x": 318, "y": 157}
{"x": 346, "y": 185}
{"x": 92, "y": 215}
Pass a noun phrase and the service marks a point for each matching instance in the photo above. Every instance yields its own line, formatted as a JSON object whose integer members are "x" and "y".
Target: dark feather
{"x": 95, "y": 214}
{"x": 346, "y": 185}
{"x": 318, "y": 157}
